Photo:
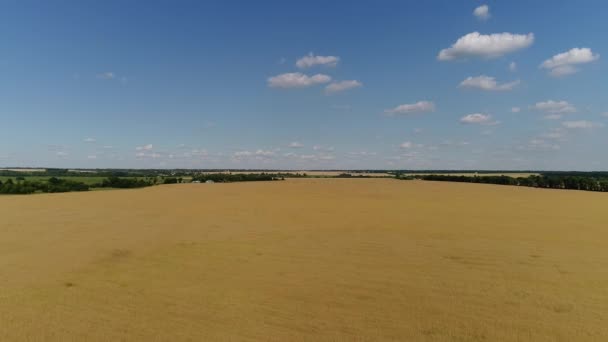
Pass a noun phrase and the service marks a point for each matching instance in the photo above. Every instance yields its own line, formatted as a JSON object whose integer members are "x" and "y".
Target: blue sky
{"x": 383, "y": 84}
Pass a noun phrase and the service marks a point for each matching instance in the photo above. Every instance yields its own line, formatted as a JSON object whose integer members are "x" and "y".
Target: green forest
{"x": 587, "y": 181}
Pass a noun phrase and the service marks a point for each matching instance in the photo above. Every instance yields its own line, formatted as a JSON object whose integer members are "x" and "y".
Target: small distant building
{"x": 209, "y": 181}
{"x": 196, "y": 181}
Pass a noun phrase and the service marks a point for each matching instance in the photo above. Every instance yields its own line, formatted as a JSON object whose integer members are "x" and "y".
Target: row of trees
{"x": 239, "y": 177}
{"x": 22, "y": 186}
{"x": 52, "y": 185}
{"x": 550, "y": 181}
{"x": 126, "y": 183}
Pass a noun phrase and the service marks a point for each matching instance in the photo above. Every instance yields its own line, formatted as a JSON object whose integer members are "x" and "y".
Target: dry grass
{"x": 305, "y": 260}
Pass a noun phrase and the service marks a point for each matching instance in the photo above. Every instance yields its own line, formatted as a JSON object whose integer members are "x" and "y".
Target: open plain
{"x": 305, "y": 260}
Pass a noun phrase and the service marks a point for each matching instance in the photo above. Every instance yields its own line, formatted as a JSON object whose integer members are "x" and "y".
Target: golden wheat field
{"x": 305, "y": 260}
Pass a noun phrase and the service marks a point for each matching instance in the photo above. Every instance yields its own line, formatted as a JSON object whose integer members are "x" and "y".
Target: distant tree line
{"x": 237, "y": 177}
{"x": 54, "y": 184}
{"x": 21, "y": 186}
{"x": 173, "y": 180}
{"x": 572, "y": 181}
{"x": 350, "y": 175}
{"x": 126, "y": 183}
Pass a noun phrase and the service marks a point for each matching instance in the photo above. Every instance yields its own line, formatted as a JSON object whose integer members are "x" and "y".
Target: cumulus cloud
{"x": 554, "y": 134}
{"x": 326, "y": 157}
{"x": 515, "y": 110}
{"x": 336, "y": 87}
{"x": 295, "y": 144}
{"x": 513, "y": 66}
{"x": 484, "y": 82}
{"x": 406, "y": 145}
{"x": 61, "y": 154}
{"x": 297, "y": 80}
{"x": 540, "y": 145}
{"x": 153, "y": 155}
{"x": 482, "y": 12}
{"x": 581, "y": 124}
{"x": 564, "y": 63}
{"x": 144, "y": 148}
{"x": 239, "y": 154}
{"x": 554, "y": 109}
{"x": 108, "y": 75}
{"x": 406, "y": 109}
{"x": 323, "y": 148}
{"x": 362, "y": 154}
{"x": 264, "y": 153}
{"x": 486, "y": 46}
{"x": 478, "y": 119}
{"x": 563, "y": 70}
{"x": 311, "y": 60}
{"x": 89, "y": 140}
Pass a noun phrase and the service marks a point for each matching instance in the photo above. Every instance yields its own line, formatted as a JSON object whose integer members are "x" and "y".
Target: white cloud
{"x": 295, "y": 144}
{"x": 484, "y": 82}
{"x": 335, "y": 87}
{"x": 406, "y": 145}
{"x": 297, "y": 80}
{"x": 563, "y": 63}
{"x": 486, "y": 46}
{"x": 92, "y": 157}
{"x": 61, "y": 154}
{"x": 512, "y": 66}
{"x": 264, "y": 153}
{"x": 144, "y": 148}
{"x": 142, "y": 154}
{"x": 362, "y": 154}
{"x": 108, "y": 75}
{"x": 581, "y": 124}
{"x": 553, "y": 116}
{"x": 239, "y": 154}
{"x": 323, "y": 148}
{"x": 540, "y": 145}
{"x": 89, "y": 140}
{"x": 563, "y": 70}
{"x": 554, "y": 134}
{"x": 418, "y": 107}
{"x": 311, "y": 60}
{"x": 326, "y": 157}
{"x": 605, "y": 114}
{"x": 482, "y": 12}
{"x": 478, "y": 119}
{"x": 554, "y": 109}
{"x": 515, "y": 110}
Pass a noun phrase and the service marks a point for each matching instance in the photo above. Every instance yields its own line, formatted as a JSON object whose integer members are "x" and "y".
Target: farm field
{"x": 305, "y": 260}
